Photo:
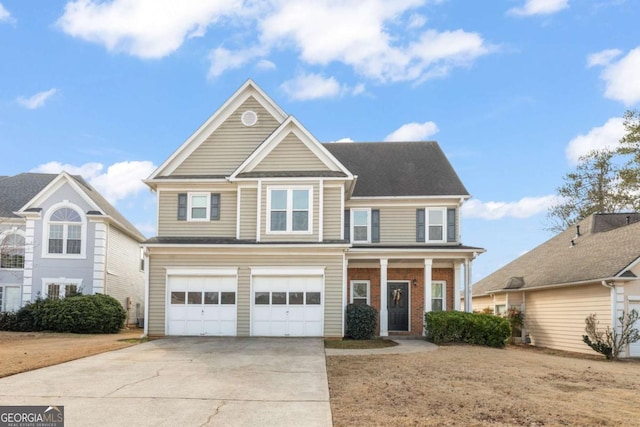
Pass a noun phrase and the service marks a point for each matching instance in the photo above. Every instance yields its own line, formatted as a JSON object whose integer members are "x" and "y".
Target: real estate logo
{"x": 31, "y": 416}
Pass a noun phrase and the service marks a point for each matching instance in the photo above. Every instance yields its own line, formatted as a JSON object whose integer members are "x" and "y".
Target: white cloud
{"x": 621, "y": 77}
{"x": 38, "y": 100}
{"x": 413, "y": 132}
{"x": 265, "y": 65}
{"x": 603, "y": 57}
{"x": 143, "y": 28}
{"x": 523, "y": 208}
{"x": 343, "y": 141}
{"x": 5, "y": 16}
{"x": 119, "y": 181}
{"x": 311, "y": 86}
{"x": 539, "y": 7}
{"x": 224, "y": 60}
{"x": 606, "y": 136}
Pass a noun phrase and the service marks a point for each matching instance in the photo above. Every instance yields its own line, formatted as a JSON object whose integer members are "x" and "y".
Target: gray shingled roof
{"x": 398, "y": 169}
{"x": 16, "y": 191}
{"x": 594, "y": 255}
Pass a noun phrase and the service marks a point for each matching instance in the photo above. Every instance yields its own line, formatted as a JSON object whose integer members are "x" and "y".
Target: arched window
{"x": 12, "y": 250}
{"x": 65, "y": 232}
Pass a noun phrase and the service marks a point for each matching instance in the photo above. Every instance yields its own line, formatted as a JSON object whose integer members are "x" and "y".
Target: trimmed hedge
{"x": 469, "y": 328}
{"x": 82, "y": 314}
{"x": 361, "y": 321}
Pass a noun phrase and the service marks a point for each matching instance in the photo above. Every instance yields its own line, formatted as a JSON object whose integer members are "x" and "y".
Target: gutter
{"x": 560, "y": 285}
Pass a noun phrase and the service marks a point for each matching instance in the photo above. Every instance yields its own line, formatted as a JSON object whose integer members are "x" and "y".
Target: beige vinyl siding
{"x": 332, "y": 283}
{"x": 291, "y": 155}
{"x": 554, "y": 318}
{"x": 230, "y": 144}
{"x": 515, "y": 299}
{"x": 168, "y": 224}
{"x": 481, "y": 303}
{"x": 248, "y": 213}
{"x": 288, "y": 237}
{"x": 332, "y": 213}
{"x": 123, "y": 276}
{"x": 397, "y": 225}
{"x": 500, "y": 299}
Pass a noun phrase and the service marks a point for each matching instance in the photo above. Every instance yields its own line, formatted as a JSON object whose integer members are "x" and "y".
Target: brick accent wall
{"x": 416, "y": 311}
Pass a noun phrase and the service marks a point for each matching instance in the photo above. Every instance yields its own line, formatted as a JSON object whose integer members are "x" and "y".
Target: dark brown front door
{"x": 398, "y": 306}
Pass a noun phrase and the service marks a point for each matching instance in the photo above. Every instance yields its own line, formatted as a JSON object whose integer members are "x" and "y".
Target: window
{"x": 432, "y": 225}
{"x": 198, "y": 206}
{"x": 436, "y": 225}
{"x": 289, "y": 210}
{"x": 65, "y": 231}
{"x": 360, "y": 292}
{"x": 438, "y": 294}
{"x": 12, "y": 250}
{"x": 361, "y": 224}
{"x": 60, "y": 289}
{"x": 501, "y": 310}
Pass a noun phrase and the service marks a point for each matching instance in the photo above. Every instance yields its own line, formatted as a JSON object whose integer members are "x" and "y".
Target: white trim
{"x": 238, "y": 202}
{"x": 345, "y": 274}
{"x": 207, "y": 216}
{"x": 147, "y": 276}
{"x": 288, "y": 271}
{"x": 428, "y": 276}
{"x": 444, "y": 293}
{"x": 259, "y": 210}
{"x": 101, "y": 236}
{"x": 320, "y": 210}
{"x": 289, "y": 209}
{"x": 633, "y": 298}
{"x": 352, "y": 225}
{"x": 20, "y": 232}
{"x": 59, "y": 281}
{"x": 249, "y": 88}
{"x": 427, "y": 224}
{"x": 342, "y": 208}
{"x": 201, "y": 271}
{"x": 410, "y": 197}
{"x": 384, "y": 314}
{"x": 456, "y": 286}
{"x": 355, "y": 282}
{"x": 46, "y": 229}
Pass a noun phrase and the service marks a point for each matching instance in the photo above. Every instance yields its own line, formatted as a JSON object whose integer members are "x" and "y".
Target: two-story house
{"x": 264, "y": 231}
{"x": 58, "y": 234}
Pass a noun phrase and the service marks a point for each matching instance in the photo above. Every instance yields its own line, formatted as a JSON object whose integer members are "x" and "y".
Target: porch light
{"x": 415, "y": 282}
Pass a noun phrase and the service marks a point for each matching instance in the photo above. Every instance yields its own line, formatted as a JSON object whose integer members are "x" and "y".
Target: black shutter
{"x": 451, "y": 225}
{"x": 375, "y": 225}
{"x": 215, "y": 206}
{"x": 419, "y": 225}
{"x": 347, "y": 225}
{"x": 182, "y": 206}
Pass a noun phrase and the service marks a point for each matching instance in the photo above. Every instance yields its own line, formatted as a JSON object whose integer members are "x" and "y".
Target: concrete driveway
{"x": 186, "y": 382}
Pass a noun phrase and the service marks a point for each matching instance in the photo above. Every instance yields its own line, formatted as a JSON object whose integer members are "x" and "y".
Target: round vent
{"x": 249, "y": 118}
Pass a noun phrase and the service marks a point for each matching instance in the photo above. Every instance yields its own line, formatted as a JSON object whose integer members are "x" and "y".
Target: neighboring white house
{"x": 58, "y": 234}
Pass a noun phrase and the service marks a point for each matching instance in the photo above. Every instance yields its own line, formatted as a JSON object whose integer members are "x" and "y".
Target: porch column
{"x": 456, "y": 285}
{"x": 467, "y": 286}
{"x": 428, "y": 264}
{"x": 384, "y": 320}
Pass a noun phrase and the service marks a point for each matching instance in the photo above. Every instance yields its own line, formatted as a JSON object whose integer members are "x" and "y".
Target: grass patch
{"x": 359, "y": 344}
{"x": 135, "y": 340}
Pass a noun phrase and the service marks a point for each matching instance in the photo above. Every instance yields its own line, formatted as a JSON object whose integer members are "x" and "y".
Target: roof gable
{"x": 291, "y": 148}
{"x": 16, "y": 191}
{"x": 249, "y": 95}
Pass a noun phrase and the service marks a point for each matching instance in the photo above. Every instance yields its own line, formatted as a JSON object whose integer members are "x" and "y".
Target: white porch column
{"x": 428, "y": 264}
{"x": 27, "y": 277}
{"x": 384, "y": 320}
{"x": 467, "y": 286}
{"x": 456, "y": 285}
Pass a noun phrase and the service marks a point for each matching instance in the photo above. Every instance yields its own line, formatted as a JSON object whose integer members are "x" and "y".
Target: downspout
{"x": 147, "y": 270}
{"x": 612, "y": 287}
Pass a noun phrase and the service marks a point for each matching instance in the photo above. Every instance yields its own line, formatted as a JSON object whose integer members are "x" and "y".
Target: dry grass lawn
{"x": 25, "y": 351}
{"x": 478, "y": 386}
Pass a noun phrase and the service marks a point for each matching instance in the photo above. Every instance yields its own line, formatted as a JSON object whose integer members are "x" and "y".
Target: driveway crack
{"x": 214, "y": 414}
{"x": 157, "y": 374}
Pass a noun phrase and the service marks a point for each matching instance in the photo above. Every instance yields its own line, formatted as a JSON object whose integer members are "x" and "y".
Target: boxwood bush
{"x": 361, "y": 321}
{"x": 469, "y": 328}
{"x": 81, "y": 314}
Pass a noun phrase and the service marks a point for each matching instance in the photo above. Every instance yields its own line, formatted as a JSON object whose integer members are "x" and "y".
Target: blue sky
{"x": 514, "y": 90}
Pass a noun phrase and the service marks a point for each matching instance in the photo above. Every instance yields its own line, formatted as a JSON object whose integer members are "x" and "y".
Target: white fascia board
{"x": 53, "y": 186}
{"x": 287, "y": 271}
{"x": 249, "y": 88}
{"x": 249, "y": 245}
{"x": 201, "y": 271}
{"x": 558, "y": 285}
{"x": 628, "y": 267}
{"x": 452, "y": 197}
{"x": 415, "y": 253}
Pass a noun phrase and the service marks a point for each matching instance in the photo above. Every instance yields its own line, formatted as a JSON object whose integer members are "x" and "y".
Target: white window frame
{"x": 5, "y": 235}
{"x": 353, "y": 225}
{"x": 207, "y": 215}
{"x": 46, "y": 281}
{"x": 289, "y": 210}
{"x": 442, "y": 283}
{"x": 497, "y": 310}
{"x": 46, "y": 229}
{"x": 353, "y": 283}
{"x": 427, "y": 217}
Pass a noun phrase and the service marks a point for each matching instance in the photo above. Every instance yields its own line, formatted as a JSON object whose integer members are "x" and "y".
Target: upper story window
{"x": 436, "y": 225}
{"x": 289, "y": 210}
{"x": 198, "y": 206}
{"x": 64, "y": 232}
{"x": 361, "y": 224}
{"x": 12, "y": 249}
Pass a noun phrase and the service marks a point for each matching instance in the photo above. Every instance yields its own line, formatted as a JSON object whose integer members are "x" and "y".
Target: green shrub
{"x": 469, "y": 328}
{"x": 80, "y": 314}
{"x": 8, "y": 321}
{"x": 361, "y": 321}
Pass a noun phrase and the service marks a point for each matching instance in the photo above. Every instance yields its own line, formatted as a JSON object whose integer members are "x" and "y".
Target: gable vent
{"x": 249, "y": 118}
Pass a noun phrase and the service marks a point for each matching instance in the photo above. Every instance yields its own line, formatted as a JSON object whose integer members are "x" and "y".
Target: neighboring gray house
{"x": 264, "y": 231}
{"x": 58, "y": 234}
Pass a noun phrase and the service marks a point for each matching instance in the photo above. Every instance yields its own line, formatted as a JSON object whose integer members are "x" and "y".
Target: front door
{"x": 398, "y": 306}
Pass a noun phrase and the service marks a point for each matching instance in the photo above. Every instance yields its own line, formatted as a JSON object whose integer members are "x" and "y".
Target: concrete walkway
{"x": 186, "y": 382}
{"x": 405, "y": 345}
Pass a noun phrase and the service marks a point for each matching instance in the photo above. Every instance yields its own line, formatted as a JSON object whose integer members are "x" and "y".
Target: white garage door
{"x": 634, "y": 349}
{"x": 289, "y": 306}
{"x": 202, "y": 305}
